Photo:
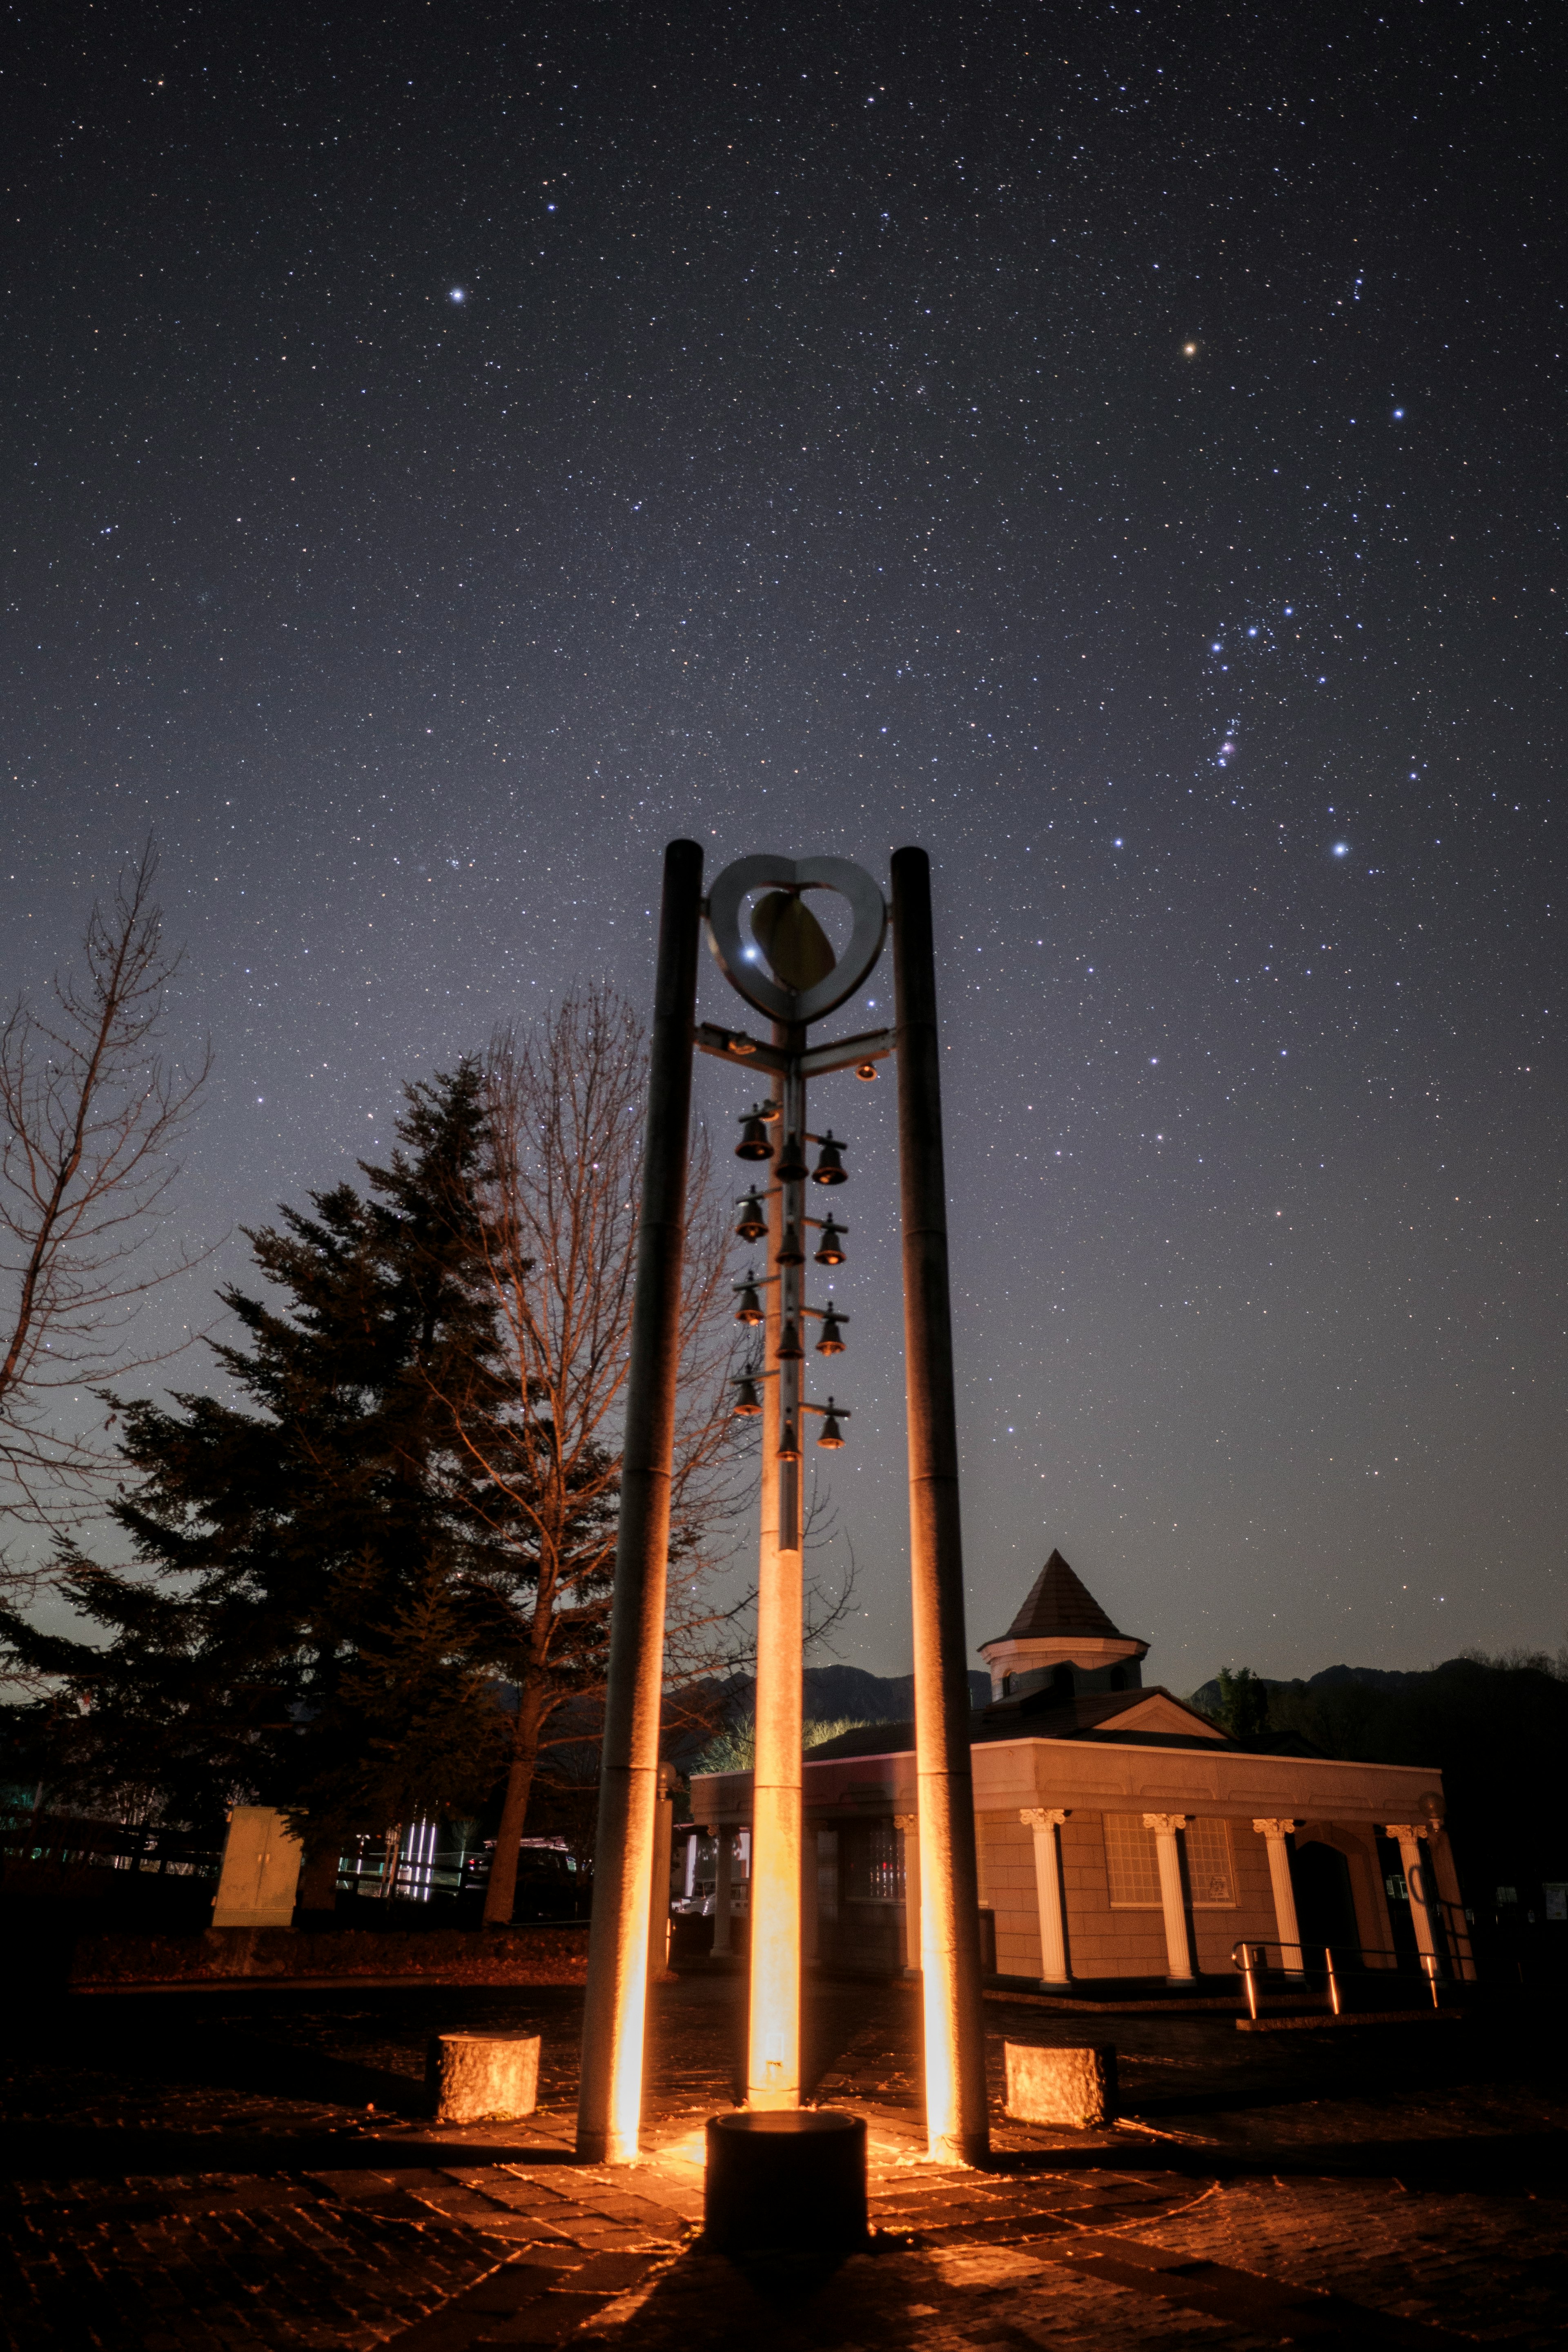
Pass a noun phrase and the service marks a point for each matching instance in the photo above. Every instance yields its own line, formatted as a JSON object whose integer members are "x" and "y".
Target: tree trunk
{"x": 319, "y": 1876}
{"x": 390, "y": 1861}
{"x": 501, "y": 1891}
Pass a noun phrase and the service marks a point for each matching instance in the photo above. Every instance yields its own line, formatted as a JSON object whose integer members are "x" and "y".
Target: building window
{"x": 1209, "y": 1873}
{"x": 1131, "y": 1862}
{"x": 872, "y": 1872}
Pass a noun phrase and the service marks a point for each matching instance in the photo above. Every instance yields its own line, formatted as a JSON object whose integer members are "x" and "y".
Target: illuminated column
{"x": 1178, "y": 1948}
{"x": 908, "y": 1827}
{"x": 1452, "y": 1901}
{"x": 773, "y": 2058}
{"x": 609, "y": 2103}
{"x": 957, "y": 2125}
{"x": 1409, "y": 1834}
{"x": 1276, "y": 1833}
{"x": 1045, "y": 1820}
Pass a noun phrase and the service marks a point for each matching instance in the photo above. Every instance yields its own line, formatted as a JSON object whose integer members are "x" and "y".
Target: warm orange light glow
{"x": 773, "y": 2072}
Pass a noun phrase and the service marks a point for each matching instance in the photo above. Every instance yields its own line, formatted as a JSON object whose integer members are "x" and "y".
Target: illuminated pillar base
{"x": 773, "y": 2069}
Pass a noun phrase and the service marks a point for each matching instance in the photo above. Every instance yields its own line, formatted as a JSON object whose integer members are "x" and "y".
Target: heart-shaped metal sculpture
{"x": 742, "y": 963}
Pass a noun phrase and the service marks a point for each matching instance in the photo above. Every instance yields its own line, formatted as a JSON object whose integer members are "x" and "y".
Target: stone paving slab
{"x": 186, "y": 2183}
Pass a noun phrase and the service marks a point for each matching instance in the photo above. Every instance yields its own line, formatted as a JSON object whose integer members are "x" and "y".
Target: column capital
{"x": 1275, "y": 1829}
{"x": 1403, "y": 1830}
{"x": 1043, "y": 1817}
{"x": 909, "y": 1822}
{"x": 1167, "y": 1824}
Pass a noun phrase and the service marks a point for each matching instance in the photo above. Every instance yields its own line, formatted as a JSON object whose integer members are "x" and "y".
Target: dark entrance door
{"x": 1325, "y": 1908}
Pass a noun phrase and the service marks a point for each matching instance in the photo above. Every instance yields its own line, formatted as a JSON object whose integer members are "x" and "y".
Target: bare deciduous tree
{"x": 565, "y": 1111}
{"x": 92, "y": 1111}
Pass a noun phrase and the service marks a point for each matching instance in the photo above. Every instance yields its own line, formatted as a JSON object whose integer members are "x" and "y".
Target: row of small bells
{"x": 792, "y": 1168}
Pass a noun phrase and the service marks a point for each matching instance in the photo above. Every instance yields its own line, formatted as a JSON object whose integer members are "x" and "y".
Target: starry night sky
{"x": 451, "y": 452}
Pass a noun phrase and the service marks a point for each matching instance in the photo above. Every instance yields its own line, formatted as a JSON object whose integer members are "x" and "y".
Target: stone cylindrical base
{"x": 476, "y": 2078}
{"x": 796, "y": 2179}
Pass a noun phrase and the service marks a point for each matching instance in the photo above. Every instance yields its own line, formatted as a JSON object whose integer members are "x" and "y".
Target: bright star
{"x": 458, "y": 294}
{"x": 1341, "y": 849}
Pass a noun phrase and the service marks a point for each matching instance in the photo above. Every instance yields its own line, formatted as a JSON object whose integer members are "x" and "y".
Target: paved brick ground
{"x": 252, "y": 2170}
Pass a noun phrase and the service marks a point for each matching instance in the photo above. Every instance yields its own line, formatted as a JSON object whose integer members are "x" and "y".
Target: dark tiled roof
{"x": 1058, "y": 1603}
{"x": 1087, "y": 1718}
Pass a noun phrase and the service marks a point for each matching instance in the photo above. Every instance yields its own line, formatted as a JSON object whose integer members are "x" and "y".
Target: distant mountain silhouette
{"x": 1384, "y": 1678}
{"x": 833, "y": 1693}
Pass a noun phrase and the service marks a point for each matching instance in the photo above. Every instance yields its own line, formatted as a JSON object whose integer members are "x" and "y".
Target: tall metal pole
{"x": 609, "y": 2104}
{"x": 956, "y": 2120}
{"x": 773, "y": 2058}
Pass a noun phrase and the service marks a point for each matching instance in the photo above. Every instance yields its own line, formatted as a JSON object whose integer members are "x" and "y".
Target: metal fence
{"x": 1250, "y": 1959}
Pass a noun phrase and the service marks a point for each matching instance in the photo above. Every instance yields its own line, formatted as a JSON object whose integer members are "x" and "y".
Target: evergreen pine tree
{"x": 302, "y": 1630}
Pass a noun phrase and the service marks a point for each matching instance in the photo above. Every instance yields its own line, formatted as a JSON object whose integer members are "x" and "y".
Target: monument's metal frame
{"x": 611, "y": 2083}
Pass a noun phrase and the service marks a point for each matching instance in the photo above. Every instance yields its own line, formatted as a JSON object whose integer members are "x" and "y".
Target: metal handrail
{"x": 1248, "y": 1957}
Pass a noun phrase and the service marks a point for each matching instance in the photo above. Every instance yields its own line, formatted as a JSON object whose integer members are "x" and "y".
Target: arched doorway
{"x": 1325, "y": 1906}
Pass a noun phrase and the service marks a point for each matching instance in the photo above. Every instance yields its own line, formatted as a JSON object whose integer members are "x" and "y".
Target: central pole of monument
{"x": 772, "y": 2039}
{"x": 956, "y": 2115}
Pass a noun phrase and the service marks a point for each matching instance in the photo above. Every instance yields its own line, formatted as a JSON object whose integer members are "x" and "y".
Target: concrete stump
{"x": 1061, "y": 2086}
{"x": 789, "y": 2179}
{"x": 476, "y": 2078}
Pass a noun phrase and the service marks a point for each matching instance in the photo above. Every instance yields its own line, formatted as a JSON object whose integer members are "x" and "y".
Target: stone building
{"x": 1121, "y": 1834}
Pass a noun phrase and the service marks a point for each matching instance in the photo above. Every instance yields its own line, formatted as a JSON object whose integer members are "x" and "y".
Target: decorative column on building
{"x": 810, "y": 1929}
{"x": 1409, "y": 1834}
{"x": 1178, "y": 1943}
{"x": 1276, "y": 1833}
{"x": 1045, "y": 1820}
{"x": 908, "y": 1827}
{"x": 1450, "y": 1898}
{"x": 723, "y": 1857}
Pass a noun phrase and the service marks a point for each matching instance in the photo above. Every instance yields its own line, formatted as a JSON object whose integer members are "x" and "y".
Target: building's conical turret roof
{"x": 1058, "y": 1603}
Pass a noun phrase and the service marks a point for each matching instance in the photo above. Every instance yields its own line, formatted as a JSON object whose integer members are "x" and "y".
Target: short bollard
{"x": 477, "y": 2078}
{"x": 794, "y": 2180}
{"x": 1074, "y": 2086}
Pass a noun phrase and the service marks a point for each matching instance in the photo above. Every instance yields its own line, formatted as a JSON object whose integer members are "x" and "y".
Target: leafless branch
{"x": 91, "y": 1111}
{"x": 565, "y": 1109}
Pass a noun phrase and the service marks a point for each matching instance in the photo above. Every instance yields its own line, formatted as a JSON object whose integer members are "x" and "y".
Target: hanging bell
{"x": 866, "y": 1070}
{"x": 790, "y": 1252}
{"x": 831, "y": 1251}
{"x": 750, "y": 1310}
{"x": 832, "y": 1435}
{"x": 792, "y": 1168}
{"x": 754, "y": 1225}
{"x": 753, "y": 1143}
{"x": 830, "y": 1167}
{"x": 748, "y": 1403}
{"x": 832, "y": 1341}
{"x": 789, "y": 1451}
{"x": 789, "y": 1349}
